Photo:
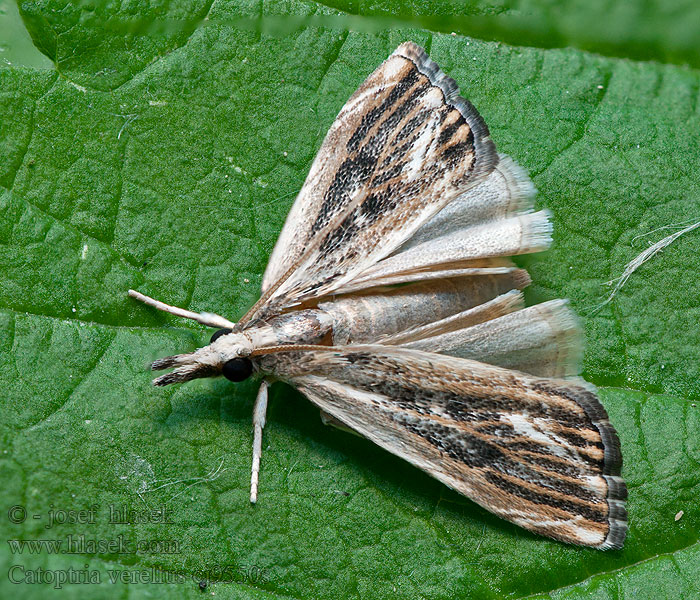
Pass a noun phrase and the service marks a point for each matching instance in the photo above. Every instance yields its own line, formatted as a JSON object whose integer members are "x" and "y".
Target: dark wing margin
{"x": 484, "y": 146}
{"x": 403, "y": 146}
{"x": 540, "y": 453}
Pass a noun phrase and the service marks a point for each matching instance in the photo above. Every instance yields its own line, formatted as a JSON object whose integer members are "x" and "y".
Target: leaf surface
{"x": 172, "y": 172}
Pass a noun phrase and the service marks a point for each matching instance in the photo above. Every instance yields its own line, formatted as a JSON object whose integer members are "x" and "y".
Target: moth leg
{"x": 259, "y": 412}
{"x": 328, "y": 419}
{"x": 208, "y": 319}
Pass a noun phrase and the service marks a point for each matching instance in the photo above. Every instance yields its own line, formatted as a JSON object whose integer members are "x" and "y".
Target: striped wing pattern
{"x": 403, "y": 147}
{"x": 540, "y": 453}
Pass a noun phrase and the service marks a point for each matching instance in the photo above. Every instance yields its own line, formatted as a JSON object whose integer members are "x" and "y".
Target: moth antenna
{"x": 208, "y": 319}
{"x": 259, "y": 412}
{"x": 285, "y": 348}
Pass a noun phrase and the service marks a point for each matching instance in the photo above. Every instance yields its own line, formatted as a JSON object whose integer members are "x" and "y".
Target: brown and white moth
{"x": 448, "y": 370}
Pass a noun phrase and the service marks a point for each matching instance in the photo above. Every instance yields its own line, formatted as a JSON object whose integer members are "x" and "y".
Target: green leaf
{"x": 166, "y": 160}
{"x": 659, "y": 30}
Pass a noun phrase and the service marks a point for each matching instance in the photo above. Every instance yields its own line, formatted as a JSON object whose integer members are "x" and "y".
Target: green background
{"x": 159, "y": 145}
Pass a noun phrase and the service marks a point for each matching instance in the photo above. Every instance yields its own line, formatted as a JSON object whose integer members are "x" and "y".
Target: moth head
{"x": 227, "y": 354}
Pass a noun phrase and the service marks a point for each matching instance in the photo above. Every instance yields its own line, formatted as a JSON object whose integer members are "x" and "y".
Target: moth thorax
{"x": 309, "y": 326}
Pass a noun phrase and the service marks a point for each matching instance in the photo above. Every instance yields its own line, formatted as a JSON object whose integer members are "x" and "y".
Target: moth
{"x": 391, "y": 302}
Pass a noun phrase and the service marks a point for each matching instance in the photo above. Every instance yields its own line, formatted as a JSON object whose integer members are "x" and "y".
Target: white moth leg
{"x": 208, "y": 319}
{"x": 329, "y": 420}
{"x": 259, "y": 412}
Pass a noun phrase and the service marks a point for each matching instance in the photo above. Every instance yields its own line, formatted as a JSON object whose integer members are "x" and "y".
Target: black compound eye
{"x": 237, "y": 369}
{"x": 218, "y": 334}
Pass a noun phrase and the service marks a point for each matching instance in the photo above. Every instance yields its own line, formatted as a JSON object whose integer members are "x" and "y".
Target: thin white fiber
{"x": 643, "y": 257}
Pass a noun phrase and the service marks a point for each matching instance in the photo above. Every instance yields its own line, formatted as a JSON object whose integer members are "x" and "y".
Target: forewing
{"x": 403, "y": 147}
{"x": 538, "y": 452}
